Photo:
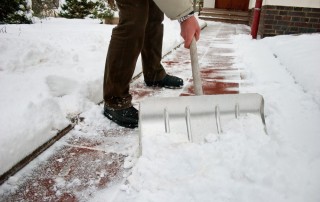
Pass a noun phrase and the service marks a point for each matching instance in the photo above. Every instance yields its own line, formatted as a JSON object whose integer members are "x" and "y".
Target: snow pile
{"x": 291, "y": 106}
{"x": 297, "y": 54}
{"x": 221, "y": 168}
{"x": 50, "y": 71}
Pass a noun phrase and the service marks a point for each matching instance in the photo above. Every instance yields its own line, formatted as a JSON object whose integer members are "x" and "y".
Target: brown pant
{"x": 140, "y": 30}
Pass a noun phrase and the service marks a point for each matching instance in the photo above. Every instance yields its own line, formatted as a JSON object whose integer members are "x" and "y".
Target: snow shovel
{"x": 195, "y": 116}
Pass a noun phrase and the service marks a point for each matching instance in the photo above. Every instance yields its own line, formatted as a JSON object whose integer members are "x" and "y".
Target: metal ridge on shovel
{"x": 195, "y": 116}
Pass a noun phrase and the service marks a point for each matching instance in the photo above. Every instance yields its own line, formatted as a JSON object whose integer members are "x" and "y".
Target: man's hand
{"x": 190, "y": 28}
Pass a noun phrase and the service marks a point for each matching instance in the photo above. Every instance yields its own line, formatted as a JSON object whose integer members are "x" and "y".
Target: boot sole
{"x": 169, "y": 87}
{"x": 123, "y": 124}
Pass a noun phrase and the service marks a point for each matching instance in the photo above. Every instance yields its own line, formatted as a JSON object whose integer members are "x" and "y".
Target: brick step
{"x": 225, "y": 12}
{"x": 226, "y": 20}
{"x": 228, "y": 16}
{"x": 205, "y": 13}
{"x": 244, "y": 18}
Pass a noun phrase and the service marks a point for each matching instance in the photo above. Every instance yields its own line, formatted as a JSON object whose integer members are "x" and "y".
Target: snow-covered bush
{"x": 103, "y": 11}
{"x": 44, "y": 8}
{"x": 85, "y": 8}
{"x": 15, "y": 12}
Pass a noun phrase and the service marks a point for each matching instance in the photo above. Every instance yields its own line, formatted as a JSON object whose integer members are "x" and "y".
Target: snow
{"x": 52, "y": 70}
{"x": 290, "y": 47}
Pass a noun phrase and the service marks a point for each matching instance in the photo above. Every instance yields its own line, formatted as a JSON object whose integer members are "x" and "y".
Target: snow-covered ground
{"x": 49, "y": 72}
{"x": 53, "y": 70}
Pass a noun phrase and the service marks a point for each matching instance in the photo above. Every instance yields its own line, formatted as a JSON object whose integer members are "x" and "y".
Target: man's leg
{"x": 124, "y": 48}
{"x": 151, "y": 53}
{"x": 153, "y": 71}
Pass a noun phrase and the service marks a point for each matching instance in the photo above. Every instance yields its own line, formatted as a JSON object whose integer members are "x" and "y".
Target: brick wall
{"x": 279, "y": 20}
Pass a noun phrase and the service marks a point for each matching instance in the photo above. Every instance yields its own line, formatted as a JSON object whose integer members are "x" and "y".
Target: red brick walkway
{"x": 93, "y": 156}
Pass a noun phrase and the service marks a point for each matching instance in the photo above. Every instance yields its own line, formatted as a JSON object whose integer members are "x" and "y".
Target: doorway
{"x": 232, "y": 4}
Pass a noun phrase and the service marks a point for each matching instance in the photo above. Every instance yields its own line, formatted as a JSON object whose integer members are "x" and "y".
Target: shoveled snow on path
{"x": 243, "y": 163}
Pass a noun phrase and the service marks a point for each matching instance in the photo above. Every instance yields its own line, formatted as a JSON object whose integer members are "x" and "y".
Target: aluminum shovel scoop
{"x": 195, "y": 116}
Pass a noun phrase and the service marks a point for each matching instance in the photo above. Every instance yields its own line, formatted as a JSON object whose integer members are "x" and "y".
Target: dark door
{"x": 232, "y": 4}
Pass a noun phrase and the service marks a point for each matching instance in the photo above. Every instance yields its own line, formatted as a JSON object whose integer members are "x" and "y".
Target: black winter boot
{"x": 168, "y": 82}
{"x": 127, "y": 118}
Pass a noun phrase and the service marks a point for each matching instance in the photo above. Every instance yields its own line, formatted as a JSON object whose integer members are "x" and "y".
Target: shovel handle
{"x": 195, "y": 68}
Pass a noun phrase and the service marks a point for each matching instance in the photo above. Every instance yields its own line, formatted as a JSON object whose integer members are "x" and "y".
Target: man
{"x": 140, "y": 30}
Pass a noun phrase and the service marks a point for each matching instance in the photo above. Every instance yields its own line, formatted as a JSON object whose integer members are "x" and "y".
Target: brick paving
{"x": 92, "y": 156}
